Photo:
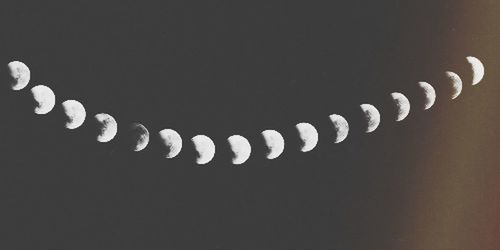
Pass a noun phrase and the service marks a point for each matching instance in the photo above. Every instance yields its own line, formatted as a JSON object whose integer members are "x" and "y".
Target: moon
{"x": 74, "y": 112}
{"x": 138, "y": 136}
{"x": 477, "y": 69}
{"x": 429, "y": 94}
{"x": 274, "y": 142}
{"x": 44, "y": 97}
{"x": 205, "y": 148}
{"x": 341, "y": 127}
{"x": 402, "y": 105}
{"x": 372, "y": 117}
{"x": 171, "y": 142}
{"x": 241, "y": 149}
{"x": 309, "y": 136}
{"x": 19, "y": 75}
{"x": 107, "y": 127}
{"x": 456, "y": 84}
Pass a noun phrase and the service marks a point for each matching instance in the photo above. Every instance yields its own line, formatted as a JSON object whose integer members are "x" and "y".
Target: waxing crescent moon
{"x": 107, "y": 127}
{"x": 429, "y": 94}
{"x": 309, "y": 136}
{"x": 19, "y": 75}
{"x": 456, "y": 84}
{"x": 171, "y": 142}
{"x": 340, "y": 126}
{"x": 44, "y": 98}
{"x": 241, "y": 149}
{"x": 138, "y": 136}
{"x": 275, "y": 143}
{"x": 477, "y": 69}
{"x": 205, "y": 148}
{"x": 402, "y": 105}
{"x": 74, "y": 112}
{"x": 372, "y": 117}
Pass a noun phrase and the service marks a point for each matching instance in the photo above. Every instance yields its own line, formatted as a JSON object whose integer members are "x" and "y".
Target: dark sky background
{"x": 222, "y": 68}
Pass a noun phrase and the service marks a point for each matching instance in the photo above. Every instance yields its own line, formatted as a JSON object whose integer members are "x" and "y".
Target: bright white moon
{"x": 456, "y": 83}
{"x": 19, "y": 75}
{"x": 107, "y": 127}
{"x": 341, "y": 127}
{"x": 274, "y": 143}
{"x": 309, "y": 136}
{"x": 477, "y": 69}
{"x": 205, "y": 148}
{"x": 402, "y": 105}
{"x": 240, "y": 147}
{"x": 44, "y": 97}
{"x": 171, "y": 142}
{"x": 372, "y": 117}
{"x": 74, "y": 112}
{"x": 429, "y": 94}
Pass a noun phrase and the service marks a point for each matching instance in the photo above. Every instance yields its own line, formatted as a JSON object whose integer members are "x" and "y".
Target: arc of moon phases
{"x": 402, "y": 105}
{"x": 241, "y": 149}
{"x": 139, "y": 136}
{"x": 309, "y": 136}
{"x": 340, "y": 126}
{"x": 171, "y": 142}
{"x": 107, "y": 127}
{"x": 456, "y": 84}
{"x": 19, "y": 75}
{"x": 429, "y": 94}
{"x": 74, "y": 112}
{"x": 477, "y": 69}
{"x": 372, "y": 117}
{"x": 44, "y": 98}
{"x": 205, "y": 148}
{"x": 275, "y": 143}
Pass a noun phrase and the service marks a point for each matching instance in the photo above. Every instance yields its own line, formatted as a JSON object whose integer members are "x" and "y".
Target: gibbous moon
{"x": 274, "y": 142}
{"x": 341, "y": 127}
{"x": 309, "y": 136}
{"x": 477, "y": 69}
{"x": 171, "y": 142}
{"x": 456, "y": 84}
{"x": 74, "y": 112}
{"x": 205, "y": 148}
{"x": 107, "y": 127}
{"x": 19, "y": 75}
{"x": 139, "y": 136}
{"x": 402, "y": 105}
{"x": 429, "y": 94}
{"x": 241, "y": 149}
{"x": 372, "y": 117}
{"x": 44, "y": 97}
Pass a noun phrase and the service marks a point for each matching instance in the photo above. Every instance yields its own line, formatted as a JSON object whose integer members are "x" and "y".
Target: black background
{"x": 223, "y": 68}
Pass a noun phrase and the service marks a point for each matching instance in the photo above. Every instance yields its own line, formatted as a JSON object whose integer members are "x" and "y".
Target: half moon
{"x": 402, "y": 105}
{"x": 275, "y": 143}
{"x": 372, "y": 117}
{"x": 456, "y": 84}
{"x": 429, "y": 94}
{"x": 241, "y": 149}
{"x": 477, "y": 69}
{"x": 139, "y": 136}
{"x": 340, "y": 126}
{"x": 309, "y": 136}
{"x": 19, "y": 75}
{"x": 107, "y": 127}
{"x": 74, "y": 113}
{"x": 205, "y": 148}
{"x": 44, "y": 98}
{"x": 171, "y": 143}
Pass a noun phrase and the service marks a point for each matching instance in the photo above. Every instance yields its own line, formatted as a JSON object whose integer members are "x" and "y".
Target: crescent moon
{"x": 171, "y": 142}
{"x": 275, "y": 143}
{"x": 138, "y": 136}
{"x": 309, "y": 136}
{"x": 107, "y": 127}
{"x": 372, "y": 117}
{"x": 44, "y": 97}
{"x": 456, "y": 84}
{"x": 241, "y": 149}
{"x": 74, "y": 112}
{"x": 402, "y": 105}
{"x": 429, "y": 94}
{"x": 341, "y": 127}
{"x": 205, "y": 148}
{"x": 19, "y": 75}
{"x": 477, "y": 69}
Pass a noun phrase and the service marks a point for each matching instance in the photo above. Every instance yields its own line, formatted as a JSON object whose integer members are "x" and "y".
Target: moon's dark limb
{"x": 137, "y": 137}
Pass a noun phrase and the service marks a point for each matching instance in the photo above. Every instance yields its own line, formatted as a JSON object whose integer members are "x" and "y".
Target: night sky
{"x": 222, "y": 68}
